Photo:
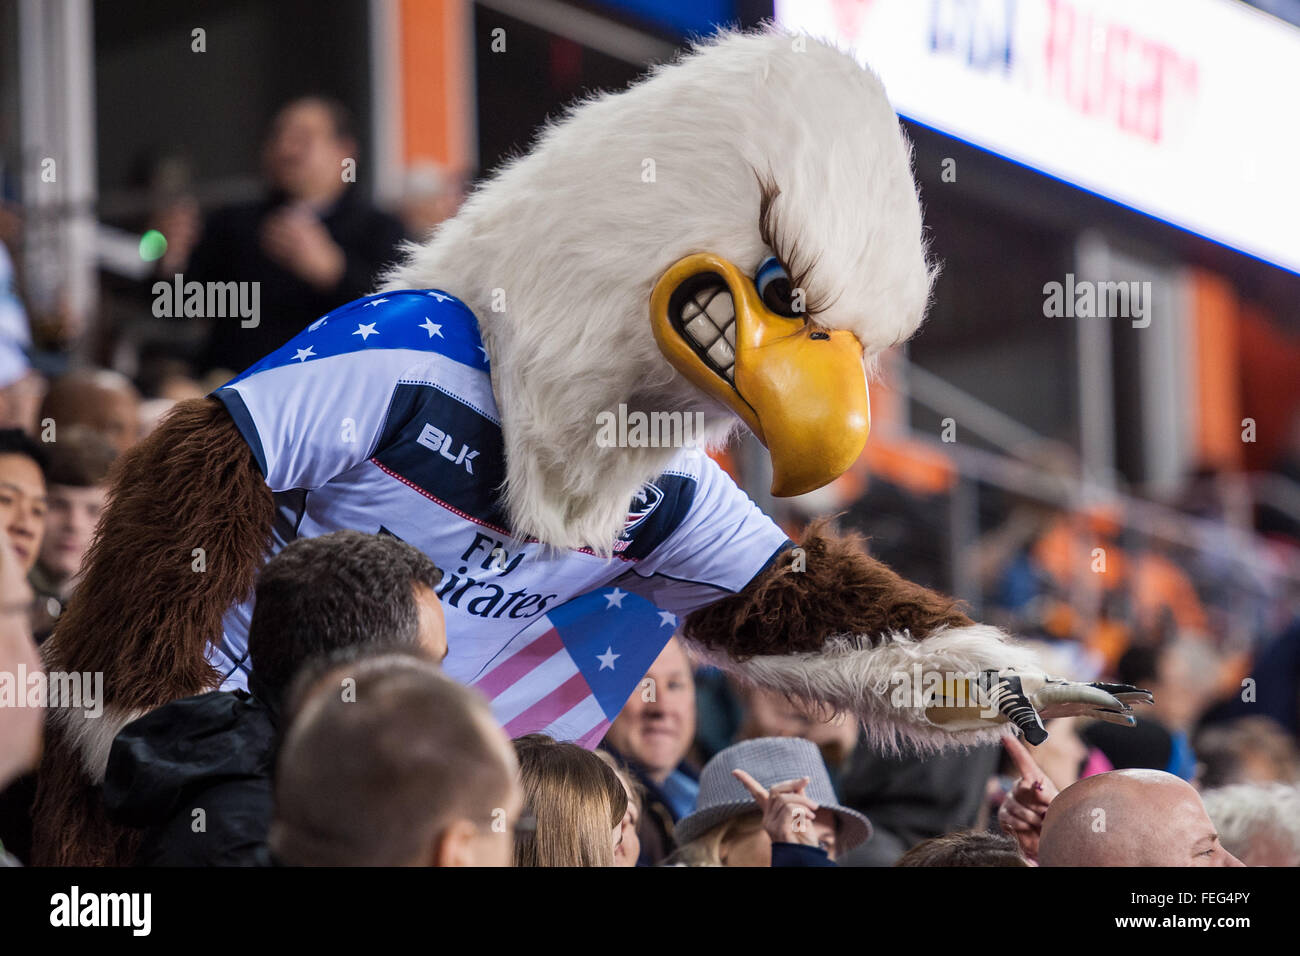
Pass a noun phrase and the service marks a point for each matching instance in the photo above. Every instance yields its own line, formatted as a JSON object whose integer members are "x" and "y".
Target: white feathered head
{"x": 737, "y": 235}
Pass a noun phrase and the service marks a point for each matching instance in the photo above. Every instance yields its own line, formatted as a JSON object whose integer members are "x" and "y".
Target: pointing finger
{"x": 1022, "y": 758}
{"x": 790, "y": 786}
{"x": 756, "y": 789}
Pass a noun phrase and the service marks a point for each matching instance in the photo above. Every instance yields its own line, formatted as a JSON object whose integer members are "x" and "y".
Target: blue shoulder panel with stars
{"x": 428, "y": 320}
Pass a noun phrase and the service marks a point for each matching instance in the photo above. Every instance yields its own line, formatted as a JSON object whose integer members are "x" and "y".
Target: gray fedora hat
{"x": 769, "y": 760}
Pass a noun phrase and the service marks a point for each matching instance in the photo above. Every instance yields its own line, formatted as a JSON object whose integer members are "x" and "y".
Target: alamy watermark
{"x": 78, "y": 690}
{"x": 922, "y": 689}
{"x": 1085, "y": 299}
{"x": 637, "y": 429}
{"x": 133, "y": 911}
{"x": 208, "y": 300}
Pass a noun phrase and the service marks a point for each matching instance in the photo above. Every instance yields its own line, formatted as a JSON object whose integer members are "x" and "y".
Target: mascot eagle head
{"x": 737, "y": 235}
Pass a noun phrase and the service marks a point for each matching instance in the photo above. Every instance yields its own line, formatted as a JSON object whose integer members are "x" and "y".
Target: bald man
{"x": 1130, "y": 818}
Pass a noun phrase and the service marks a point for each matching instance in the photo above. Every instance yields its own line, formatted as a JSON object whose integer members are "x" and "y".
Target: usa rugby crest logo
{"x": 644, "y": 502}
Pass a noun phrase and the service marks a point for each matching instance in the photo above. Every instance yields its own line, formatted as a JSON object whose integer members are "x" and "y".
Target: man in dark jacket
{"x": 910, "y": 798}
{"x": 313, "y": 244}
{"x": 195, "y": 774}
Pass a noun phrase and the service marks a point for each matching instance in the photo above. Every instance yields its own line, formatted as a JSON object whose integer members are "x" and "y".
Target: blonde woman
{"x": 767, "y": 802}
{"x": 576, "y": 801}
{"x": 627, "y": 848}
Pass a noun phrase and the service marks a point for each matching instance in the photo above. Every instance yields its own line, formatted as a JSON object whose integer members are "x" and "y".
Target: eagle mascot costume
{"x": 731, "y": 241}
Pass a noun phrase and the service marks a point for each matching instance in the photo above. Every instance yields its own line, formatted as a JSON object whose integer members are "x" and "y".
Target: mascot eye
{"x": 774, "y": 287}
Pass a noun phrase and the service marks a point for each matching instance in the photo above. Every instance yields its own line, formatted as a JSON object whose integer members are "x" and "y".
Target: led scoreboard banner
{"x": 1182, "y": 109}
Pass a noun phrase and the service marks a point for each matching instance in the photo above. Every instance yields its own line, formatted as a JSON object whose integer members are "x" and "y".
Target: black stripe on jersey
{"x": 446, "y": 449}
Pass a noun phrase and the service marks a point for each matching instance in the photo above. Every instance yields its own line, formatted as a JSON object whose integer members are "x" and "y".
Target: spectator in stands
{"x": 165, "y": 380}
{"x": 771, "y": 714}
{"x": 99, "y": 399}
{"x": 430, "y": 196}
{"x": 78, "y": 485}
{"x": 1130, "y": 818}
{"x": 22, "y": 390}
{"x": 213, "y": 753}
{"x": 411, "y": 770}
{"x": 313, "y": 243}
{"x": 163, "y": 376}
{"x": 964, "y": 848}
{"x": 1181, "y": 673}
{"x": 20, "y": 727}
{"x": 1039, "y": 774}
{"x": 1023, "y": 808}
{"x": 909, "y": 797}
{"x": 767, "y": 802}
{"x": 1259, "y": 823}
{"x": 1064, "y": 756}
{"x": 21, "y": 386}
{"x": 23, "y": 506}
{"x": 23, "y": 496}
{"x": 1274, "y": 684}
{"x": 1272, "y": 519}
{"x": 1247, "y": 750}
{"x": 1085, "y": 578}
{"x": 628, "y": 845}
{"x": 575, "y": 801}
{"x": 653, "y": 735}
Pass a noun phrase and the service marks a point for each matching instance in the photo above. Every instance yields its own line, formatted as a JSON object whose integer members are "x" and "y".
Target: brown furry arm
{"x": 828, "y": 586}
{"x": 829, "y": 624}
{"x": 143, "y": 615}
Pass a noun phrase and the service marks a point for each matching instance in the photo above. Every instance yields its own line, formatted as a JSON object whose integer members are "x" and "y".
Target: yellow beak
{"x": 801, "y": 390}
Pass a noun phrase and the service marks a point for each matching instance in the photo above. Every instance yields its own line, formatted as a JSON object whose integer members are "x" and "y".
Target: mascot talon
{"x": 1025, "y": 699}
{"x": 778, "y": 252}
{"x": 1110, "y": 702}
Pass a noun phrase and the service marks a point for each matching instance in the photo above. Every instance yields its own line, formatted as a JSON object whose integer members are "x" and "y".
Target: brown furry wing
{"x": 143, "y": 614}
{"x": 827, "y": 587}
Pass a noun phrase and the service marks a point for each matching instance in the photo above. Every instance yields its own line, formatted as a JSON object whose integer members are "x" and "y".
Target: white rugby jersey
{"x": 380, "y": 417}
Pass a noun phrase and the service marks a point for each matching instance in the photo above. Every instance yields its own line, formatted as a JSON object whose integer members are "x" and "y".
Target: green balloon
{"x": 152, "y": 245}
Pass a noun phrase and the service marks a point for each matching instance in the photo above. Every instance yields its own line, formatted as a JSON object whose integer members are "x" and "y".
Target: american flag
{"x": 571, "y": 672}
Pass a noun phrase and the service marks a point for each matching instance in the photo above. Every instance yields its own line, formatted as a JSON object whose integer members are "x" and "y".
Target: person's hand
{"x": 180, "y": 223}
{"x": 787, "y": 813}
{"x": 297, "y": 240}
{"x": 1022, "y": 811}
{"x": 20, "y": 725}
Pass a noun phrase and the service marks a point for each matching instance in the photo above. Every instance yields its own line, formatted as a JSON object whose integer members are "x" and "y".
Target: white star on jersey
{"x": 667, "y": 617}
{"x": 365, "y": 331}
{"x": 615, "y": 598}
{"x": 304, "y": 354}
{"x": 607, "y": 659}
{"x": 431, "y": 327}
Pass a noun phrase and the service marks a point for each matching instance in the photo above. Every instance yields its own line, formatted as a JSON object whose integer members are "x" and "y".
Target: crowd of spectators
{"x": 699, "y": 772}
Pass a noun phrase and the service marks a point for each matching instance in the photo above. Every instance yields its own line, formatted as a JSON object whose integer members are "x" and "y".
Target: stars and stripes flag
{"x": 571, "y": 672}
